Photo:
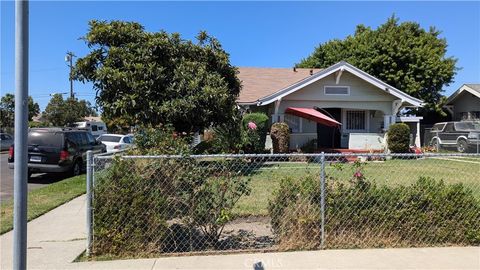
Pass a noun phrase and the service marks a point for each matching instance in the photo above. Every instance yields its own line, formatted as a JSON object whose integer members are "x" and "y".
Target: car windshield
{"x": 107, "y": 138}
{"x": 48, "y": 139}
{"x": 467, "y": 126}
{"x": 438, "y": 127}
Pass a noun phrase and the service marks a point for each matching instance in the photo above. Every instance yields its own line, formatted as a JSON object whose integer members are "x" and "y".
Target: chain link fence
{"x": 152, "y": 205}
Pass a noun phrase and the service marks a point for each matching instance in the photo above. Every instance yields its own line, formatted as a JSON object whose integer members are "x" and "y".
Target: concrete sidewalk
{"x": 421, "y": 258}
{"x": 58, "y": 237}
{"x": 54, "y": 239}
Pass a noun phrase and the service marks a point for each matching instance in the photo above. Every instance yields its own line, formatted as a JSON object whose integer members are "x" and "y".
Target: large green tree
{"x": 154, "y": 78}
{"x": 7, "y": 110}
{"x": 403, "y": 55}
{"x": 64, "y": 112}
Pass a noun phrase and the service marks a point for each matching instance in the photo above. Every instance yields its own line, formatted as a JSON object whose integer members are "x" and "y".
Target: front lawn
{"x": 44, "y": 199}
{"x": 391, "y": 172}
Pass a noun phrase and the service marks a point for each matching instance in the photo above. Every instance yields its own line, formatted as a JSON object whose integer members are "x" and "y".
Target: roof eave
{"x": 352, "y": 69}
{"x": 462, "y": 88}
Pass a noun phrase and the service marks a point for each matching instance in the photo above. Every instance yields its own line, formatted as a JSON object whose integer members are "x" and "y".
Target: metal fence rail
{"x": 143, "y": 205}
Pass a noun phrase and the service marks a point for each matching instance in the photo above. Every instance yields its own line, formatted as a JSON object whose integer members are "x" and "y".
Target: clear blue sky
{"x": 274, "y": 34}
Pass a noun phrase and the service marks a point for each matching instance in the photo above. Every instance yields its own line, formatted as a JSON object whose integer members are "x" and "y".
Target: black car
{"x": 463, "y": 135}
{"x": 58, "y": 150}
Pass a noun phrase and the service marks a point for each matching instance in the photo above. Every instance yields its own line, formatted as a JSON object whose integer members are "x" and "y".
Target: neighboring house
{"x": 341, "y": 106}
{"x": 39, "y": 118}
{"x": 464, "y": 104}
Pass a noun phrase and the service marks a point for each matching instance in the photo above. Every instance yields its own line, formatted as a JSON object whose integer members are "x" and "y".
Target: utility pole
{"x": 21, "y": 132}
{"x": 69, "y": 60}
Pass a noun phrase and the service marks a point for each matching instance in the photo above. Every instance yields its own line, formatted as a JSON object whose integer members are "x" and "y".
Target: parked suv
{"x": 58, "y": 150}
{"x": 463, "y": 135}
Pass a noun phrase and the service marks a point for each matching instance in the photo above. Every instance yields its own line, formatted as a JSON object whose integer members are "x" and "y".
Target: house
{"x": 341, "y": 106}
{"x": 464, "y": 104}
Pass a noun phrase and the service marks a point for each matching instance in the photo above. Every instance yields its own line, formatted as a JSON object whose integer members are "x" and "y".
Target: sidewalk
{"x": 58, "y": 237}
{"x": 54, "y": 239}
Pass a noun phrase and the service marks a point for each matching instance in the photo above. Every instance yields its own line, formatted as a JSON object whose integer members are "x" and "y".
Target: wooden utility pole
{"x": 69, "y": 60}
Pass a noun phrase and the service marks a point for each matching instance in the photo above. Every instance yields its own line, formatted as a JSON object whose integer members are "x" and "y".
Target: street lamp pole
{"x": 21, "y": 132}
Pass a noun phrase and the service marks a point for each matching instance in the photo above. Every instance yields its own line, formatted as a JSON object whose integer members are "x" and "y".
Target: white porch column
{"x": 386, "y": 121}
{"x": 276, "y": 107}
{"x": 417, "y": 136}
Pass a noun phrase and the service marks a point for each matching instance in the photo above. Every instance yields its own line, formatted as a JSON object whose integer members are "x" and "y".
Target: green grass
{"x": 44, "y": 199}
{"x": 391, "y": 172}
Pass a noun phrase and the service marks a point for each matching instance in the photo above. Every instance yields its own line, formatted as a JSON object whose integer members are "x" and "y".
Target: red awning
{"x": 313, "y": 115}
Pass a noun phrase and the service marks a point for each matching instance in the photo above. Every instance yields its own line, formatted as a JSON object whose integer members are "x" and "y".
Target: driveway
{"x": 6, "y": 179}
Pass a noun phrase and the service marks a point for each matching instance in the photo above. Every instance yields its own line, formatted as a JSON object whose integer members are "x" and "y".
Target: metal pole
{"x": 89, "y": 200}
{"x": 70, "y": 56}
{"x": 21, "y": 132}
{"x": 478, "y": 141}
{"x": 322, "y": 197}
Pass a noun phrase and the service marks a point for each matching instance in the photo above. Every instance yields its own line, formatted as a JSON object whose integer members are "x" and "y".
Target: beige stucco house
{"x": 464, "y": 104}
{"x": 341, "y": 106}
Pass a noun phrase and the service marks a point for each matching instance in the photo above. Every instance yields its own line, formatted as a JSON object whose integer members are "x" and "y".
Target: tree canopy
{"x": 64, "y": 112}
{"x": 154, "y": 78}
{"x": 7, "y": 110}
{"x": 403, "y": 55}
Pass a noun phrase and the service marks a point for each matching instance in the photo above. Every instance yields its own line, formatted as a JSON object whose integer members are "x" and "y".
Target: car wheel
{"x": 76, "y": 168}
{"x": 462, "y": 146}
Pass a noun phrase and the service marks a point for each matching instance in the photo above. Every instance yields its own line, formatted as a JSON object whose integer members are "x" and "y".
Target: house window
{"x": 355, "y": 120}
{"x": 337, "y": 90}
{"x": 293, "y": 122}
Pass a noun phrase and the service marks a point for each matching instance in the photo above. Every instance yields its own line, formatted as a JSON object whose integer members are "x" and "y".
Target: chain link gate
{"x": 151, "y": 205}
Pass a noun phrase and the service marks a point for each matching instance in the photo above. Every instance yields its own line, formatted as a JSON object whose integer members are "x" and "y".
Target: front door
{"x": 329, "y": 137}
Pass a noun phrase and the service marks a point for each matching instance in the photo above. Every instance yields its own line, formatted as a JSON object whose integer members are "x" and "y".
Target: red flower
{"x": 358, "y": 174}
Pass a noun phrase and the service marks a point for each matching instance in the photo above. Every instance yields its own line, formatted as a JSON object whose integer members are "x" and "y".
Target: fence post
{"x": 322, "y": 197}
{"x": 89, "y": 200}
{"x": 478, "y": 141}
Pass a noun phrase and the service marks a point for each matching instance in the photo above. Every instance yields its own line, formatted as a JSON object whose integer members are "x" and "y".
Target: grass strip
{"x": 44, "y": 199}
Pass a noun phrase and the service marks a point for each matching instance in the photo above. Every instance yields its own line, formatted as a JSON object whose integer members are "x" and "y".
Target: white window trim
{"x": 344, "y": 121}
{"x": 335, "y": 86}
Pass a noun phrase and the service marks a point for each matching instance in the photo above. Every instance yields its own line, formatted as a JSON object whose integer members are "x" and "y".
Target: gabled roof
{"x": 275, "y": 92}
{"x": 474, "y": 89}
{"x": 261, "y": 82}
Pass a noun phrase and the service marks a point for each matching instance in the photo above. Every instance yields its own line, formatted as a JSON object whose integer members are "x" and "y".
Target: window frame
{"x": 336, "y": 86}
{"x": 344, "y": 121}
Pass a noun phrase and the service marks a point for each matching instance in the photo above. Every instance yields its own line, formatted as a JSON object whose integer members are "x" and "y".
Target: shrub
{"x": 362, "y": 214}
{"x": 398, "y": 139}
{"x": 310, "y": 146}
{"x": 122, "y": 198}
{"x": 254, "y": 132}
{"x": 213, "y": 201}
{"x": 221, "y": 139}
{"x": 161, "y": 140}
{"x": 280, "y": 134}
{"x": 142, "y": 205}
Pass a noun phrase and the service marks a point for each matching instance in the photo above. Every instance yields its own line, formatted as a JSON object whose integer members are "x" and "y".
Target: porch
{"x": 362, "y": 130}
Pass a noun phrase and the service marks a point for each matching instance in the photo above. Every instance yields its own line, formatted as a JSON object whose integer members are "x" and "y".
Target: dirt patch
{"x": 247, "y": 233}
{"x": 243, "y": 233}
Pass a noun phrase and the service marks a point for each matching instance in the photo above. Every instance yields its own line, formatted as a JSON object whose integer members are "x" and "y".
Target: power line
{"x": 36, "y": 70}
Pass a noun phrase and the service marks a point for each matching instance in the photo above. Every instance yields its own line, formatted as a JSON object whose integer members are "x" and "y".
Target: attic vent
{"x": 337, "y": 90}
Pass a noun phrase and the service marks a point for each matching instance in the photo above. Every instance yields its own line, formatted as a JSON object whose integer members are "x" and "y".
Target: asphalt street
{"x": 36, "y": 181}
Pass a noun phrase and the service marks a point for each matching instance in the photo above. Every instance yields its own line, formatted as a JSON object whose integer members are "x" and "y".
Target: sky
{"x": 255, "y": 34}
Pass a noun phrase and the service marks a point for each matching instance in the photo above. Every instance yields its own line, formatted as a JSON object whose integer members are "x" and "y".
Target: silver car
{"x": 6, "y": 140}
